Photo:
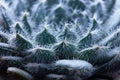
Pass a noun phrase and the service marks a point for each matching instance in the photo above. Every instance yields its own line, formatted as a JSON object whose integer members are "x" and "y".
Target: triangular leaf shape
{"x": 96, "y": 55}
{"x": 112, "y": 40}
{"x": 45, "y": 38}
{"x": 20, "y": 43}
{"x": 64, "y": 50}
{"x": 18, "y": 29}
{"x": 19, "y": 8}
{"x": 85, "y": 42}
{"x": 39, "y": 15}
{"x": 111, "y": 66}
{"x": 3, "y": 38}
{"x": 6, "y": 23}
{"x": 7, "y": 61}
{"x": 77, "y": 4}
{"x": 39, "y": 55}
{"x": 26, "y": 25}
{"x": 94, "y": 25}
{"x": 6, "y": 49}
{"x": 68, "y": 35}
{"x": 60, "y": 14}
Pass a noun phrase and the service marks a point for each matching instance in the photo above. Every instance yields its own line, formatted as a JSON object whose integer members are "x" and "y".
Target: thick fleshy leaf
{"x": 6, "y": 49}
{"x": 112, "y": 40}
{"x": 77, "y": 4}
{"x": 38, "y": 70}
{"x": 68, "y": 35}
{"x": 64, "y": 50}
{"x": 50, "y": 3}
{"x": 3, "y": 38}
{"x": 94, "y": 25}
{"x": 20, "y": 43}
{"x": 109, "y": 5}
{"x": 111, "y": 66}
{"x": 60, "y": 14}
{"x": 41, "y": 55}
{"x": 10, "y": 61}
{"x": 18, "y": 29}
{"x": 95, "y": 55}
{"x": 55, "y": 77}
{"x": 74, "y": 67}
{"x": 45, "y": 38}
{"x": 19, "y": 8}
{"x": 19, "y": 74}
{"x": 26, "y": 25}
{"x": 39, "y": 14}
{"x": 85, "y": 42}
{"x": 6, "y": 22}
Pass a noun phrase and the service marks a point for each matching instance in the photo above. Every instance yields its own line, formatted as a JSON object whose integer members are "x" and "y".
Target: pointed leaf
{"x": 26, "y": 25}
{"x": 6, "y": 22}
{"x": 68, "y": 35}
{"x": 40, "y": 55}
{"x": 111, "y": 66}
{"x": 19, "y": 8}
{"x": 20, "y": 43}
{"x": 77, "y": 4}
{"x": 95, "y": 25}
{"x": 112, "y": 40}
{"x": 64, "y": 50}
{"x": 95, "y": 55}
{"x": 7, "y": 61}
{"x": 45, "y": 38}
{"x": 85, "y": 42}
{"x": 6, "y": 49}
{"x": 3, "y": 38}
{"x": 18, "y": 29}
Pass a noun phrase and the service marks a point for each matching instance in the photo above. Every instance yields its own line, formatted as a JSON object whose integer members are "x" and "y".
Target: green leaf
{"x": 29, "y": 4}
{"x": 64, "y": 50}
{"x": 77, "y": 4}
{"x": 38, "y": 70}
{"x": 19, "y": 74}
{"x": 94, "y": 25}
{"x": 45, "y": 38}
{"x": 39, "y": 15}
{"x": 6, "y": 49}
{"x": 26, "y": 25}
{"x": 6, "y": 22}
{"x": 8, "y": 61}
{"x": 19, "y": 8}
{"x": 20, "y": 43}
{"x": 39, "y": 55}
{"x": 99, "y": 10}
{"x": 68, "y": 35}
{"x": 51, "y": 3}
{"x": 111, "y": 66}
{"x": 3, "y": 38}
{"x": 110, "y": 5}
{"x": 85, "y": 42}
{"x": 60, "y": 14}
{"x": 112, "y": 40}
{"x": 97, "y": 55}
{"x": 18, "y": 29}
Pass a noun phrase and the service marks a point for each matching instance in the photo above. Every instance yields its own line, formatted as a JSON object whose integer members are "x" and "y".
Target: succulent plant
{"x": 59, "y": 39}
